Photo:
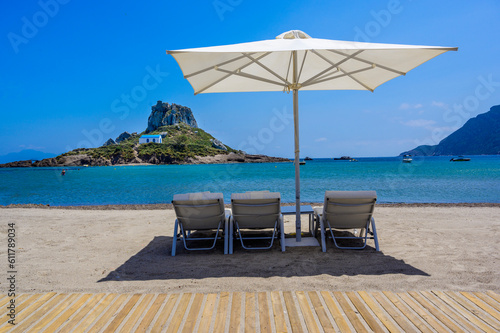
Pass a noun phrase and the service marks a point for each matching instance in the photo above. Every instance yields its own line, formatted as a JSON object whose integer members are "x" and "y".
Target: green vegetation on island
{"x": 179, "y": 142}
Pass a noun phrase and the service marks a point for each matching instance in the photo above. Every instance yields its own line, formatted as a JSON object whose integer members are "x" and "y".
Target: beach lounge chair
{"x": 252, "y": 211}
{"x": 200, "y": 212}
{"x": 344, "y": 210}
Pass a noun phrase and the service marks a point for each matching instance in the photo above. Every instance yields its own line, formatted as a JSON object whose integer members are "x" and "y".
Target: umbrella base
{"x": 305, "y": 241}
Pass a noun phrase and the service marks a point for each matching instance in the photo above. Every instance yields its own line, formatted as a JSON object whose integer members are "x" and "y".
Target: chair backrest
{"x": 256, "y": 210}
{"x": 349, "y": 209}
{"x": 199, "y": 211}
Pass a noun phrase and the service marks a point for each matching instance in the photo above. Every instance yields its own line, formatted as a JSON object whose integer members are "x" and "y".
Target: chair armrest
{"x": 318, "y": 211}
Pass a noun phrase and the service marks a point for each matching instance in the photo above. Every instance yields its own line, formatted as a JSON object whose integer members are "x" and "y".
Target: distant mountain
{"x": 479, "y": 136}
{"x": 27, "y": 154}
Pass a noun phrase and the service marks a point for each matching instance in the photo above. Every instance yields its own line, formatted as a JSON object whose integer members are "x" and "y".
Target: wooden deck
{"x": 298, "y": 311}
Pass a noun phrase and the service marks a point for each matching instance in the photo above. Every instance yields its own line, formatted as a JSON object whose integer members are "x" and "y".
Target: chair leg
{"x": 375, "y": 237}
{"x": 174, "y": 239}
{"x": 231, "y": 234}
{"x": 226, "y": 249}
{"x": 282, "y": 232}
{"x": 322, "y": 230}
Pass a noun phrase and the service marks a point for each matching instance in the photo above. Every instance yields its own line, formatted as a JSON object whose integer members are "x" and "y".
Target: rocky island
{"x": 183, "y": 142}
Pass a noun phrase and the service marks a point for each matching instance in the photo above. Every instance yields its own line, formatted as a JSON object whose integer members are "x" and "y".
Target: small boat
{"x": 460, "y": 159}
{"x": 353, "y": 160}
{"x": 302, "y": 163}
{"x": 343, "y": 158}
{"x": 407, "y": 159}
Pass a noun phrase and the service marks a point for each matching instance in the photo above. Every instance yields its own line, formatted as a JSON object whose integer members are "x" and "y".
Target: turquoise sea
{"x": 427, "y": 179}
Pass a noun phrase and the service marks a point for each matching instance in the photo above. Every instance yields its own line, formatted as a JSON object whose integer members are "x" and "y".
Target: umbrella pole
{"x": 297, "y": 164}
{"x": 297, "y": 149}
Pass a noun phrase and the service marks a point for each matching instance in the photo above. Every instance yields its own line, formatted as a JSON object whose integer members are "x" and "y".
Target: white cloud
{"x": 419, "y": 123}
{"x": 408, "y": 106}
{"x": 320, "y": 139}
{"x": 33, "y": 147}
{"x": 441, "y": 105}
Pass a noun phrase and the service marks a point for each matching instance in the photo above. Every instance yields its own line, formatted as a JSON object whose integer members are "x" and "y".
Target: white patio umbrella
{"x": 294, "y": 61}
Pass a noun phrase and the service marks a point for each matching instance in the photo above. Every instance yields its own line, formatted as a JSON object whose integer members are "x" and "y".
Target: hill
{"x": 26, "y": 154}
{"x": 182, "y": 142}
{"x": 479, "y": 136}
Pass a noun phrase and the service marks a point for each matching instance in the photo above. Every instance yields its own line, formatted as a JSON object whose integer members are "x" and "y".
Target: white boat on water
{"x": 407, "y": 159}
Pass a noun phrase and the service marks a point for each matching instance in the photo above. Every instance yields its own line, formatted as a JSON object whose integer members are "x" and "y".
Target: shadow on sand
{"x": 154, "y": 262}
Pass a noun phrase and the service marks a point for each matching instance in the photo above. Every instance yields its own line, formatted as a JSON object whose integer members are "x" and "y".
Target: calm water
{"x": 427, "y": 179}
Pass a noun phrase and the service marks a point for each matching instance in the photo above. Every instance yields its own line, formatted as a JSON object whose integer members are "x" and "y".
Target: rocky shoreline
{"x": 86, "y": 160}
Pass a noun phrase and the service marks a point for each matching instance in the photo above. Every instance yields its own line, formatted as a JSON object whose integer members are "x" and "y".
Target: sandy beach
{"x": 449, "y": 247}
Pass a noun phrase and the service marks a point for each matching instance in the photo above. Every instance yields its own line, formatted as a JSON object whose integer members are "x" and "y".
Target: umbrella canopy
{"x": 322, "y": 64}
{"x": 294, "y": 61}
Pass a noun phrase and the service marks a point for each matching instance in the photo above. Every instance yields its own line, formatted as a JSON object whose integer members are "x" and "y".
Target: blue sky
{"x": 75, "y": 73}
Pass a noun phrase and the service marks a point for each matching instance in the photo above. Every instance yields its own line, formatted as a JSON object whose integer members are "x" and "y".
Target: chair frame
{"x": 185, "y": 237}
{"x": 367, "y": 230}
{"x": 278, "y": 229}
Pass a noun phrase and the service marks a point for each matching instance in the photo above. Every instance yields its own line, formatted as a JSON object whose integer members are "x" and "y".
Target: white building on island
{"x": 150, "y": 138}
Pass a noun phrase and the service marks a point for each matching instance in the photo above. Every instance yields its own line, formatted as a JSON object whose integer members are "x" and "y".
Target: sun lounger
{"x": 256, "y": 210}
{"x": 344, "y": 210}
{"x": 200, "y": 212}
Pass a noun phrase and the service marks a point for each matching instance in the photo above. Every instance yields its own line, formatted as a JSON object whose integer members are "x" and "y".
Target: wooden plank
{"x": 68, "y": 327}
{"x": 113, "y": 326}
{"x": 488, "y": 309}
{"x": 179, "y": 313}
{"x": 4, "y": 301}
{"x": 407, "y": 312}
{"x": 235, "y": 319}
{"x": 165, "y": 313}
{"x": 94, "y": 313}
{"x": 54, "y": 312}
{"x": 38, "y": 313}
{"x": 367, "y": 316}
{"x": 378, "y": 312}
{"x": 488, "y": 320}
{"x": 109, "y": 312}
{"x": 493, "y": 295}
{"x": 293, "y": 314}
{"x": 206, "y": 317}
{"x": 421, "y": 312}
{"x": 335, "y": 312}
{"x": 488, "y": 300}
{"x": 220, "y": 317}
{"x": 463, "y": 312}
{"x": 353, "y": 318}
{"x": 279, "y": 314}
{"x": 20, "y": 305}
{"x": 448, "y": 311}
{"x": 193, "y": 313}
{"x": 151, "y": 313}
{"x": 29, "y": 309}
{"x": 137, "y": 313}
{"x": 320, "y": 312}
{"x": 68, "y": 313}
{"x": 401, "y": 320}
{"x": 19, "y": 299}
{"x": 264, "y": 316}
{"x": 250, "y": 313}
{"x": 22, "y": 301}
{"x": 307, "y": 312}
{"x": 435, "y": 312}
